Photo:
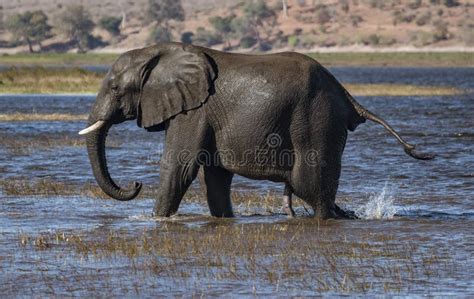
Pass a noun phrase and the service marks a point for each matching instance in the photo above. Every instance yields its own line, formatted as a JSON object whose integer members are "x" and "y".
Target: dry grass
{"x": 49, "y": 80}
{"x": 400, "y": 90}
{"x": 26, "y": 144}
{"x": 42, "y": 117}
{"x": 244, "y": 202}
{"x": 303, "y": 255}
{"x": 47, "y": 187}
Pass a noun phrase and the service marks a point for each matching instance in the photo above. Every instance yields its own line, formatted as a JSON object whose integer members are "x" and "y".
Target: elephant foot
{"x": 289, "y": 211}
{"x": 287, "y": 206}
{"x": 344, "y": 214}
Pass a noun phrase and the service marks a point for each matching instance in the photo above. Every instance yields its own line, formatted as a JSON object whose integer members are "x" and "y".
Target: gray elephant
{"x": 279, "y": 117}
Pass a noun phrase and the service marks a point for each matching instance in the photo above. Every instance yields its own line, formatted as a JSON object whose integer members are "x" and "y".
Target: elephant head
{"x": 151, "y": 85}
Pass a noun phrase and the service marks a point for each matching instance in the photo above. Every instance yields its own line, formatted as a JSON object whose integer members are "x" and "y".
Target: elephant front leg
{"x": 287, "y": 201}
{"x": 175, "y": 178}
{"x": 216, "y": 184}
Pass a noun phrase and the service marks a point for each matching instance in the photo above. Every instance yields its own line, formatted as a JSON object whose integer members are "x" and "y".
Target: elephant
{"x": 281, "y": 117}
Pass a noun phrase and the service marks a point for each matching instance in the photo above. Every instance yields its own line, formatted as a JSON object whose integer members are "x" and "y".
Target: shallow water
{"x": 426, "y": 203}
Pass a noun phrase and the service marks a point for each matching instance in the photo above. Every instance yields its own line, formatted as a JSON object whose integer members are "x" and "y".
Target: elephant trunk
{"x": 96, "y": 150}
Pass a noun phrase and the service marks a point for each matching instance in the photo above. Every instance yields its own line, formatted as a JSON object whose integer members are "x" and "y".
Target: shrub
{"x": 293, "y": 41}
{"x": 355, "y": 20}
{"x": 247, "y": 42}
{"x": 323, "y": 15}
{"x": 423, "y": 19}
{"x": 265, "y": 46}
{"x": 344, "y": 5}
{"x": 187, "y": 37}
{"x": 441, "y": 30}
{"x": 206, "y": 38}
{"x": 414, "y": 4}
{"x": 422, "y": 38}
{"x": 467, "y": 34}
{"x": 160, "y": 34}
{"x": 372, "y": 39}
{"x": 450, "y": 3}
{"x": 111, "y": 24}
{"x": 376, "y": 4}
{"x": 387, "y": 40}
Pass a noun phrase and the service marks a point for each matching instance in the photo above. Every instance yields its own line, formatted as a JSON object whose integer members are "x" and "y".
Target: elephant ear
{"x": 176, "y": 79}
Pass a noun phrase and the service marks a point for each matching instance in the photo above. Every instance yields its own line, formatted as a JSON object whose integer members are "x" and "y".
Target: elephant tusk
{"x": 94, "y": 127}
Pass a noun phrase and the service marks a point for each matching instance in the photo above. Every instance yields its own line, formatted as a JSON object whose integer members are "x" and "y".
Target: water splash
{"x": 380, "y": 205}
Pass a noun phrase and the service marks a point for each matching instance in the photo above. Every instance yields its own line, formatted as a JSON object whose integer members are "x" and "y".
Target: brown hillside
{"x": 308, "y": 23}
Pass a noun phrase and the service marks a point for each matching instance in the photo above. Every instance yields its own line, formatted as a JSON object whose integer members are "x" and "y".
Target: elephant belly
{"x": 269, "y": 157}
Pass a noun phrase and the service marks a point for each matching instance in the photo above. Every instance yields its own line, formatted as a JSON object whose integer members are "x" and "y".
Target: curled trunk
{"x": 96, "y": 150}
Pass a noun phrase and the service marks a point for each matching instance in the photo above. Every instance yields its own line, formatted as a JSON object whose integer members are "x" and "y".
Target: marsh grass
{"x": 400, "y": 90}
{"x": 244, "y": 202}
{"x": 70, "y": 59}
{"x": 49, "y": 80}
{"x": 432, "y": 59}
{"x": 302, "y": 255}
{"x": 26, "y": 144}
{"x": 42, "y": 80}
{"x": 12, "y": 117}
{"x": 396, "y": 59}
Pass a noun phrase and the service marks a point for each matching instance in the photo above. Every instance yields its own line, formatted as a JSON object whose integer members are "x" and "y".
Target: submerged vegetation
{"x": 42, "y": 80}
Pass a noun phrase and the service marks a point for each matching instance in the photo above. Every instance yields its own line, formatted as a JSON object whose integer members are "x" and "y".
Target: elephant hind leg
{"x": 317, "y": 185}
{"x": 345, "y": 214}
{"x": 216, "y": 184}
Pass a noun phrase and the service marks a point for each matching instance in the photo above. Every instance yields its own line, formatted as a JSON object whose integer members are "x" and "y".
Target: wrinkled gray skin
{"x": 212, "y": 103}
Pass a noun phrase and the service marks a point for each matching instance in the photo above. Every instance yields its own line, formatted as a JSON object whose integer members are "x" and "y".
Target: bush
{"x": 111, "y": 24}
{"x": 265, "y": 46}
{"x": 387, "y": 41}
{"x": 423, "y": 19}
{"x": 372, "y": 39}
{"x": 441, "y": 30}
{"x": 467, "y": 34}
{"x": 247, "y": 42}
{"x": 414, "y": 4}
{"x": 187, "y": 37}
{"x": 376, "y": 4}
{"x": 160, "y": 34}
{"x": 355, "y": 20}
{"x": 450, "y": 3}
{"x": 206, "y": 38}
{"x": 323, "y": 15}
{"x": 344, "y": 5}
{"x": 402, "y": 17}
{"x": 293, "y": 40}
{"x": 422, "y": 38}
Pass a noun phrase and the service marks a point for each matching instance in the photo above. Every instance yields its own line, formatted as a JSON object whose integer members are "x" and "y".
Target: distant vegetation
{"x": 256, "y": 24}
{"x": 75, "y": 80}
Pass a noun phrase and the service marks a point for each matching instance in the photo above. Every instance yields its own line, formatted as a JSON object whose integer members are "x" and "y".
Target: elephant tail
{"x": 366, "y": 114}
